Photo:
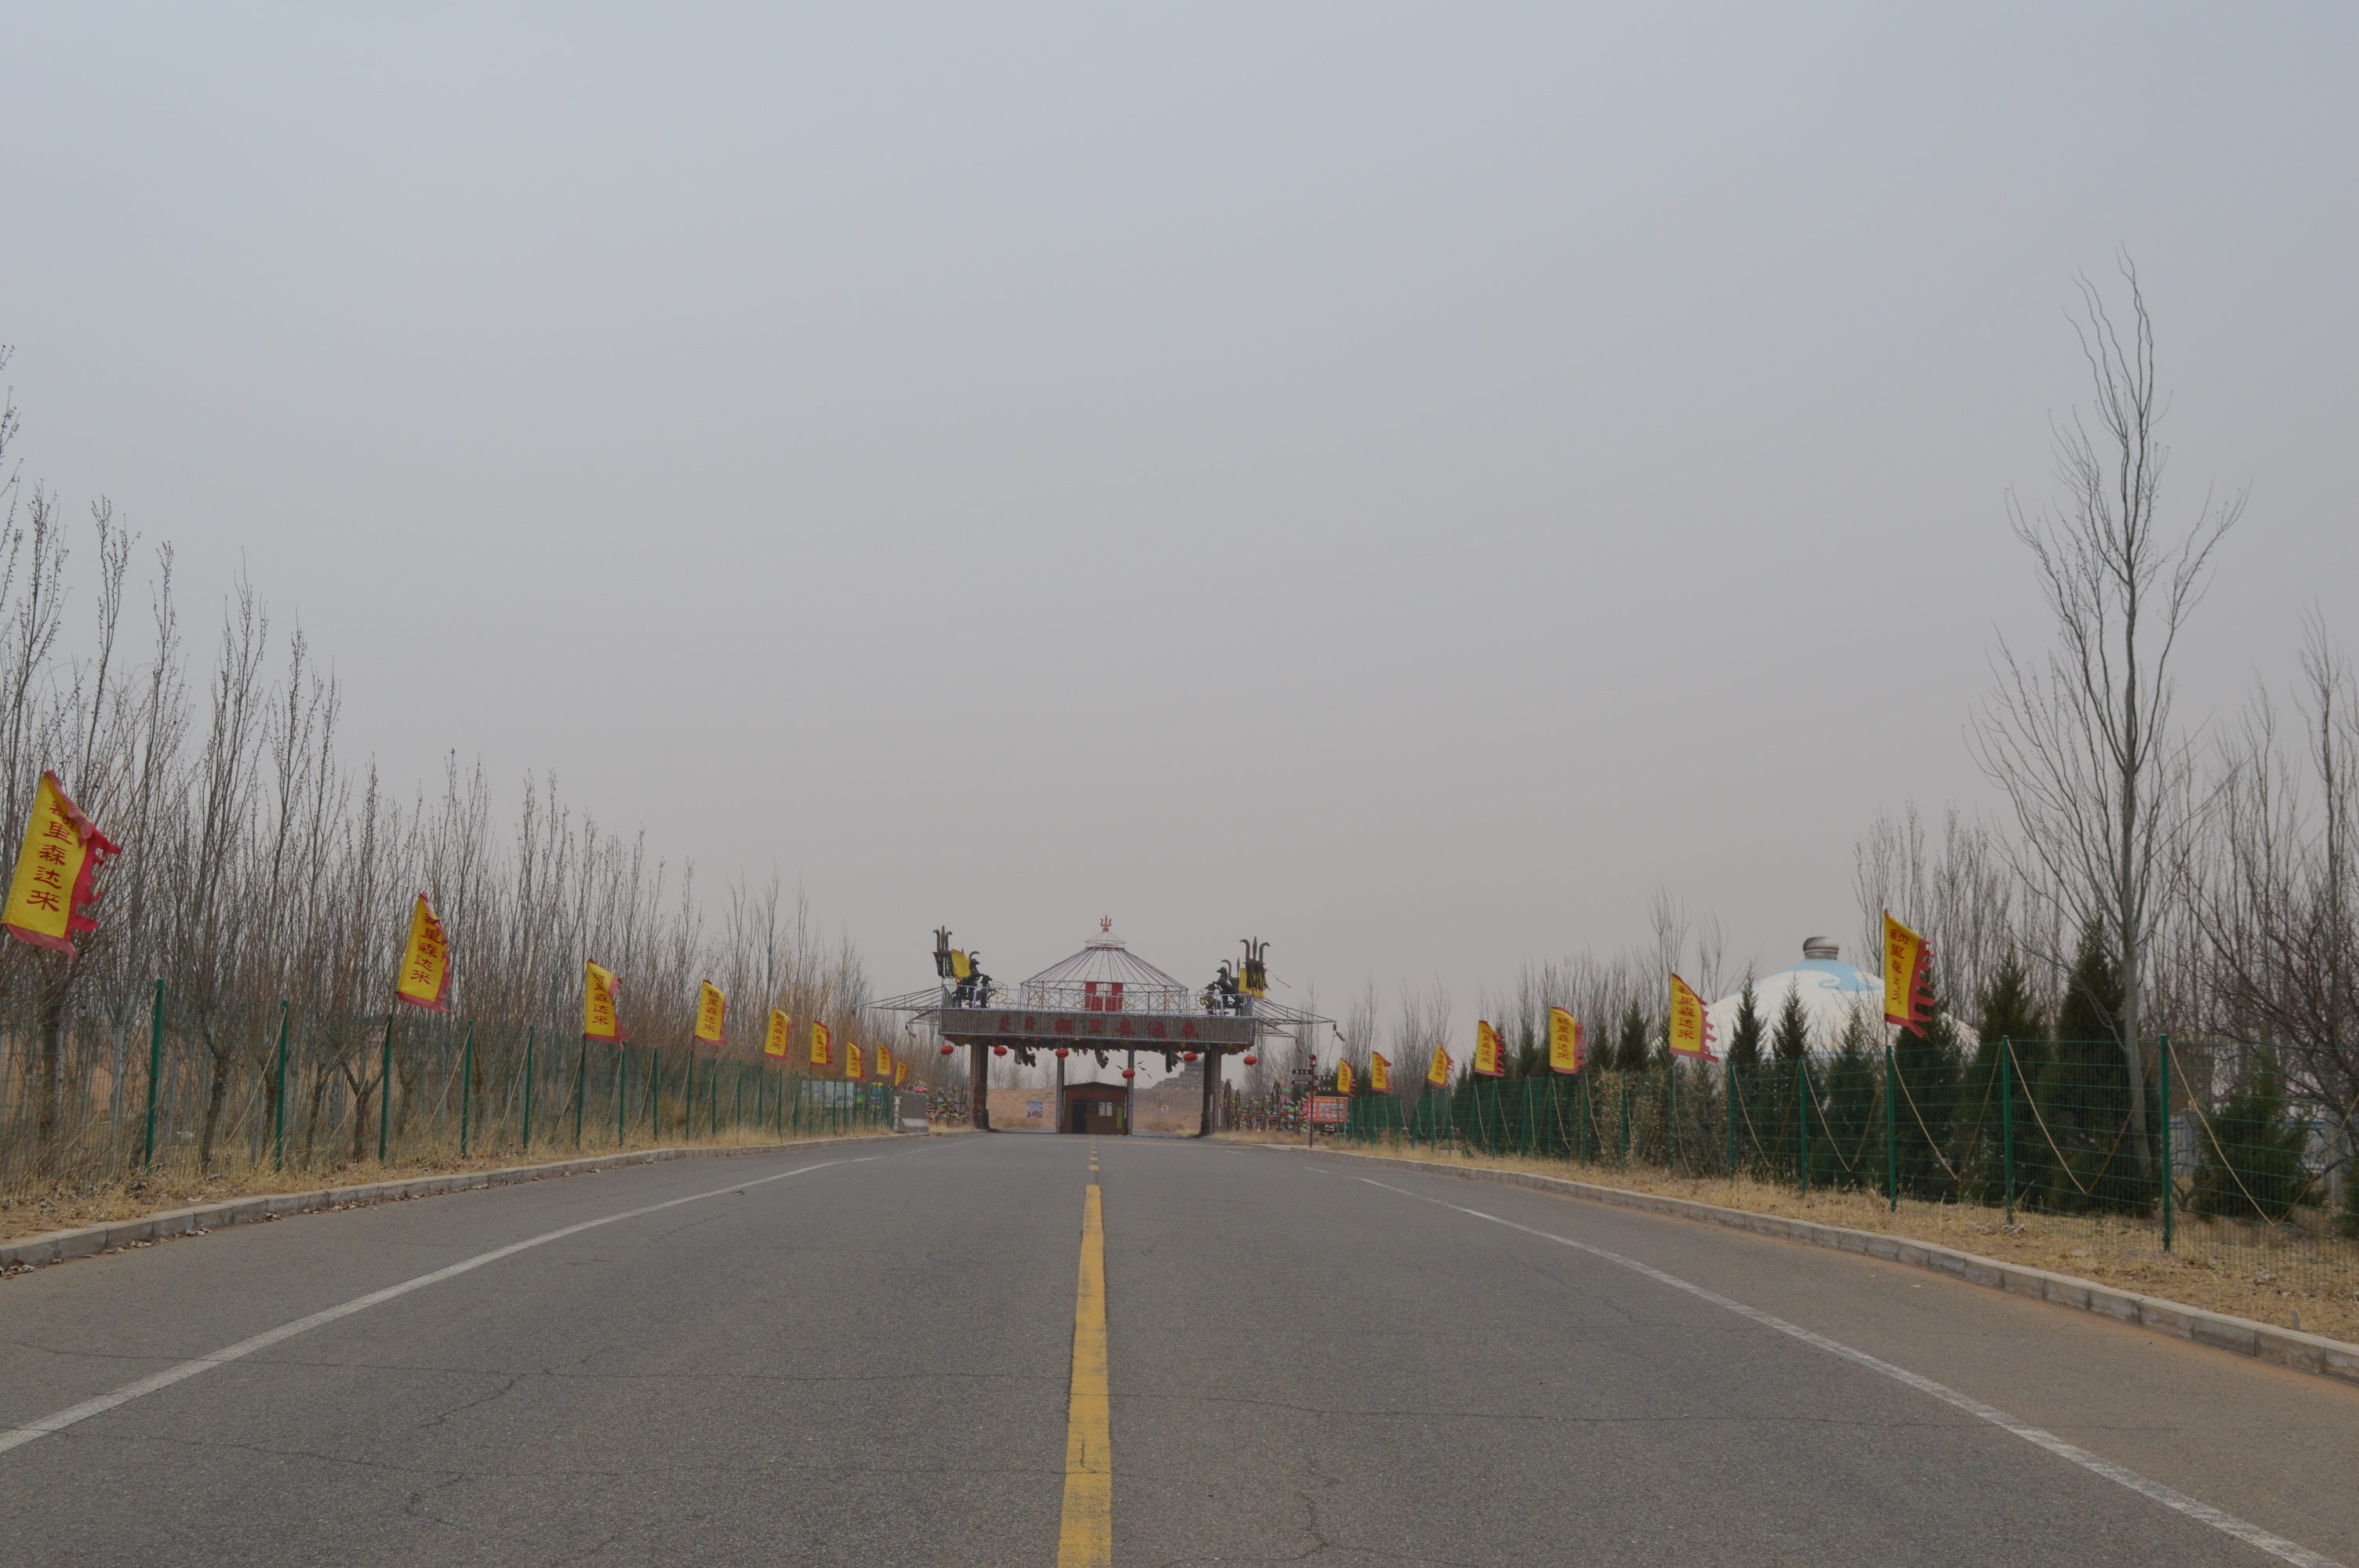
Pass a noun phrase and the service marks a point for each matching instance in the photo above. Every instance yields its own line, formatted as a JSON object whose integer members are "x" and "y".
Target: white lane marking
{"x": 18, "y": 1437}
{"x": 2170, "y": 1497}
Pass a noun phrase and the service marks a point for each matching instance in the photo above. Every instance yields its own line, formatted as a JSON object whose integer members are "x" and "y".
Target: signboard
{"x": 1331, "y": 1110}
{"x": 1056, "y": 1026}
{"x": 1304, "y": 1074}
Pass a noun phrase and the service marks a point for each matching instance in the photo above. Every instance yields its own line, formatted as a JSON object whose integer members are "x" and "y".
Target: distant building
{"x": 1832, "y": 993}
{"x": 1174, "y": 1103}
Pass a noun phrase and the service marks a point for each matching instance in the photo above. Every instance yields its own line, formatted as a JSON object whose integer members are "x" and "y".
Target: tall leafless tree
{"x": 2082, "y": 739}
{"x": 2274, "y": 948}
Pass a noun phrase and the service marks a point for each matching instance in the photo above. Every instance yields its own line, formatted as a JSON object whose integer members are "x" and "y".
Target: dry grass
{"x": 36, "y": 1211}
{"x": 2317, "y": 1298}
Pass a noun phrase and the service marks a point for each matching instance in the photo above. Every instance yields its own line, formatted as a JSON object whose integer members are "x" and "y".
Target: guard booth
{"x": 1101, "y": 1110}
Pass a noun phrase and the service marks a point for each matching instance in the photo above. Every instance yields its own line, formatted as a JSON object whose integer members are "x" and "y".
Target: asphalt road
{"x": 865, "y": 1354}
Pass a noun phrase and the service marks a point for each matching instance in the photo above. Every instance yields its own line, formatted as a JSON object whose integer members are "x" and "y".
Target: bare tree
{"x": 1961, "y": 897}
{"x": 2274, "y": 943}
{"x": 2082, "y": 739}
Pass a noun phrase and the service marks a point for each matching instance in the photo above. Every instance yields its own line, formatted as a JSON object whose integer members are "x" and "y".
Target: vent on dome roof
{"x": 1821, "y": 947}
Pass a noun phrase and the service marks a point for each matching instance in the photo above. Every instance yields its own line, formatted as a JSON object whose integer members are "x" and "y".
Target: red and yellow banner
{"x": 777, "y": 1042}
{"x": 1342, "y": 1078}
{"x": 854, "y": 1066}
{"x": 712, "y": 1015}
{"x": 820, "y": 1038}
{"x": 425, "y": 977}
{"x": 598, "y": 1019}
{"x": 884, "y": 1061}
{"x": 61, "y": 854}
{"x": 1490, "y": 1052}
{"x": 1908, "y": 995}
{"x": 1565, "y": 1042}
{"x": 1380, "y": 1075}
{"x": 1438, "y": 1074}
{"x": 900, "y": 1074}
{"x": 1690, "y": 1029}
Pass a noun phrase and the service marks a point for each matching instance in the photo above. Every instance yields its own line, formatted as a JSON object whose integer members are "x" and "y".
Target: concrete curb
{"x": 57, "y": 1245}
{"x": 2285, "y": 1348}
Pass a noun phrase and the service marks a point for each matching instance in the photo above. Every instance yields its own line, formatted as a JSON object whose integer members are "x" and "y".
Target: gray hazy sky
{"x": 1402, "y": 483}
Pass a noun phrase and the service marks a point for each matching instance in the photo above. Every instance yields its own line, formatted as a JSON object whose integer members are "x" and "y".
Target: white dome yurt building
{"x": 1832, "y": 993}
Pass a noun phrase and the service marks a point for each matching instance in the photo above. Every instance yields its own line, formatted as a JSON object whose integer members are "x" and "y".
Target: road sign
{"x": 1331, "y": 1110}
{"x": 1304, "y": 1074}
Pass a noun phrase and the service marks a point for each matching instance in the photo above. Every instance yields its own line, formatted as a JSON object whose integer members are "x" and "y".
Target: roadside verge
{"x": 57, "y": 1245}
{"x": 2285, "y": 1348}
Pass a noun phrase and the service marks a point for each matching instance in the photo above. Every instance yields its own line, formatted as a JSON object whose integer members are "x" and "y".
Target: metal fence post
{"x": 385, "y": 1093}
{"x": 155, "y": 1071}
{"x": 1671, "y": 1118}
{"x": 1803, "y": 1117}
{"x": 2006, "y": 1117}
{"x": 622, "y": 1088}
{"x": 2164, "y": 1065}
{"x": 654, "y": 1093}
{"x": 527, "y": 1089}
{"x": 1625, "y": 1121}
{"x": 466, "y": 1090}
{"x": 1891, "y": 1136}
{"x": 1728, "y": 1082}
{"x": 580, "y": 1090}
{"x": 278, "y": 1098}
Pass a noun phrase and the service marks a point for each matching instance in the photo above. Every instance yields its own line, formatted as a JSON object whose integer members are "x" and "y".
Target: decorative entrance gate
{"x": 1103, "y": 1001}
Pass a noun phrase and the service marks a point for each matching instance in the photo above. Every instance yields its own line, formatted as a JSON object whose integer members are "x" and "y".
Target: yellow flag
{"x": 820, "y": 1038}
{"x": 1490, "y": 1054}
{"x": 712, "y": 1015}
{"x": 884, "y": 1061}
{"x": 599, "y": 1021}
{"x": 1564, "y": 1042}
{"x": 900, "y": 1074}
{"x": 1342, "y": 1078}
{"x": 775, "y": 1044}
{"x": 854, "y": 1067}
{"x": 425, "y": 980}
{"x": 1380, "y": 1075}
{"x": 1439, "y": 1072}
{"x": 1690, "y": 1028}
{"x": 1907, "y": 999}
{"x": 961, "y": 967}
{"x": 62, "y": 852}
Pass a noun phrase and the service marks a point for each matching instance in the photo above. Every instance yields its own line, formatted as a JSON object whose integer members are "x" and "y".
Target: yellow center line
{"x": 1086, "y": 1540}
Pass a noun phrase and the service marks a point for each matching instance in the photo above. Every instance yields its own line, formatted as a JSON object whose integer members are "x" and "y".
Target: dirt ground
{"x": 2317, "y": 1298}
{"x": 36, "y": 1211}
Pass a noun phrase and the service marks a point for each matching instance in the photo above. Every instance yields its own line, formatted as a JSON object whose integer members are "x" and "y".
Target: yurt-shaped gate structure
{"x": 1105, "y": 1001}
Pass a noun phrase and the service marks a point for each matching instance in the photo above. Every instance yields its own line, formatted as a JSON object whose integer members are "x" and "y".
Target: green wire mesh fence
{"x": 2202, "y": 1153}
{"x": 190, "y": 1084}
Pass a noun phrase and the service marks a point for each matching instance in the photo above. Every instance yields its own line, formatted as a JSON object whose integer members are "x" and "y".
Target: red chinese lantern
{"x": 1251, "y": 1060}
{"x": 1130, "y": 1072}
{"x": 1187, "y": 1055}
{"x": 1061, "y": 1052}
{"x": 947, "y": 1049}
{"x": 999, "y": 1050}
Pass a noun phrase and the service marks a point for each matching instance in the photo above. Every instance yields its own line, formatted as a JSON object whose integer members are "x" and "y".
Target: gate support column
{"x": 978, "y": 1080}
{"x": 1212, "y": 1060}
